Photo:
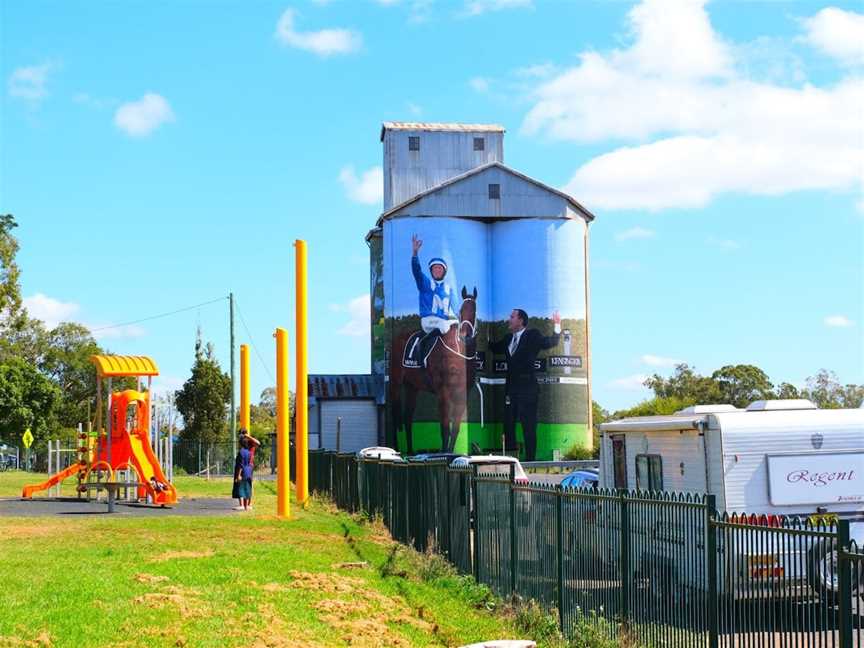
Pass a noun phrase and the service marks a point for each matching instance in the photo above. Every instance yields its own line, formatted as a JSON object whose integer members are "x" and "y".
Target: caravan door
{"x": 619, "y": 461}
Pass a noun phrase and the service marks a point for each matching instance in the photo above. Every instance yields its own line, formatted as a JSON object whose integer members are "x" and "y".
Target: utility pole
{"x": 233, "y": 380}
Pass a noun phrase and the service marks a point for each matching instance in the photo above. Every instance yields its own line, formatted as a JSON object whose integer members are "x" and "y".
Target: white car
{"x": 379, "y": 452}
{"x": 488, "y": 465}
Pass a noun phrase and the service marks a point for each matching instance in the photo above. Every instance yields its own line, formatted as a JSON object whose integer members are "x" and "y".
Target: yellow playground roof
{"x": 117, "y": 365}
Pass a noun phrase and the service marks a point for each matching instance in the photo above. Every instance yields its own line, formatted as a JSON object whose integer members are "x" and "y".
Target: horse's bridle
{"x": 473, "y": 326}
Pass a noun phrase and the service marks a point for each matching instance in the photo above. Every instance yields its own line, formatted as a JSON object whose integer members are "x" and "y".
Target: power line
{"x": 153, "y": 317}
{"x": 252, "y": 341}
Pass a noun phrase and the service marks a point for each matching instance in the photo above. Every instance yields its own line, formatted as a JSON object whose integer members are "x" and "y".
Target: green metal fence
{"x": 665, "y": 569}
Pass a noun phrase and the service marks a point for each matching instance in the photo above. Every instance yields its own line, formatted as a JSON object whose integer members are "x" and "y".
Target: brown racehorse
{"x": 449, "y": 374}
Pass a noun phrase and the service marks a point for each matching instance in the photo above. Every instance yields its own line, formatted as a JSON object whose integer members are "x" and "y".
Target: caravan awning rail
{"x": 655, "y": 423}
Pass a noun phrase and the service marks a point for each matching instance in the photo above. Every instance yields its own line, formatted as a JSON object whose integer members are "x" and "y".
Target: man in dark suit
{"x": 521, "y": 347}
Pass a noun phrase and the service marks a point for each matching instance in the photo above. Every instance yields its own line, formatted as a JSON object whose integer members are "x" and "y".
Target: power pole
{"x": 233, "y": 381}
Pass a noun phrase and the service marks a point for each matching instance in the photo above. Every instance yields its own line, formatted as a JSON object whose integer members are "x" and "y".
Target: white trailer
{"x": 774, "y": 459}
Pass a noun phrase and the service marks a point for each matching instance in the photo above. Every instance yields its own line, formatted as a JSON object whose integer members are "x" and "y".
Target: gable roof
{"x": 438, "y": 126}
{"x": 480, "y": 169}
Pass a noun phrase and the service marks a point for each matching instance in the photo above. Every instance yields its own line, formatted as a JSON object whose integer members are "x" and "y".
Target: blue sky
{"x": 159, "y": 155}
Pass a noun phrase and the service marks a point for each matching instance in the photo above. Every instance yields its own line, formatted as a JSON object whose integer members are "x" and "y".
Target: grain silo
{"x": 464, "y": 243}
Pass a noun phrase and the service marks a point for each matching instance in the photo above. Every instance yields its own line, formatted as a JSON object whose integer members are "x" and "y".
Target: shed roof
{"x": 437, "y": 126}
{"x": 450, "y": 181}
{"x": 117, "y": 365}
{"x": 340, "y": 386}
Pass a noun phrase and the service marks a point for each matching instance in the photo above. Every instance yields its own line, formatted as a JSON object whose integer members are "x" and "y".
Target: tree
{"x": 825, "y": 390}
{"x": 787, "y": 391}
{"x": 66, "y": 361}
{"x": 10, "y": 290}
{"x": 685, "y": 384}
{"x": 598, "y": 416}
{"x": 27, "y": 399}
{"x": 657, "y": 406}
{"x": 203, "y": 400}
{"x": 740, "y": 385}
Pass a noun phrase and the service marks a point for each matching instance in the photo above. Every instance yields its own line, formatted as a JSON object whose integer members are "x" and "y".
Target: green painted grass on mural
{"x": 550, "y": 437}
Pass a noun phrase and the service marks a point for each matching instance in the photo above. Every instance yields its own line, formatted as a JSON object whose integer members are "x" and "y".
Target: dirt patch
{"x": 325, "y": 583}
{"x": 184, "y": 601}
{"x": 151, "y": 579}
{"x": 182, "y": 555}
{"x": 22, "y": 530}
{"x": 266, "y": 628}
{"x": 362, "y": 616}
{"x": 43, "y": 640}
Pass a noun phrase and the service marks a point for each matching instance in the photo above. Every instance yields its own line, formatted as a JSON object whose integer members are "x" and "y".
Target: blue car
{"x": 582, "y": 478}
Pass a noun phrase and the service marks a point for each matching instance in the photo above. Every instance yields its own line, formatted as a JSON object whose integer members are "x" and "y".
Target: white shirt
{"x": 514, "y": 343}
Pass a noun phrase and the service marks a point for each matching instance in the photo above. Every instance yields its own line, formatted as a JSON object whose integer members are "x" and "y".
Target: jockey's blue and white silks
{"x": 435, "y": 296}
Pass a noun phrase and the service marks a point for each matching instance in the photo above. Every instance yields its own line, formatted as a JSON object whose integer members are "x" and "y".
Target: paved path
{"x": 41, "y": 507}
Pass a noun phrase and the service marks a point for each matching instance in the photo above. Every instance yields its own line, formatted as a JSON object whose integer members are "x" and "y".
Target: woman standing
{"x": 243, "y": 474}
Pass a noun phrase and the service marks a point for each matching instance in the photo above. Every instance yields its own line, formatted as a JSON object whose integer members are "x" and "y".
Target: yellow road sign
{"x": 27, "y": 438}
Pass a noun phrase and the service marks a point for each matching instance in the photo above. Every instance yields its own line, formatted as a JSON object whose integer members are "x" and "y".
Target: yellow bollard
{"x": 244, "y": 387}
{"x": 283, "y": 485}
{"x": 301, "y": 397}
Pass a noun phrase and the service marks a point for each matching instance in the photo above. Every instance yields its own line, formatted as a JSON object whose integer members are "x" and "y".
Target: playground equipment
{"x": 123, "y": 448}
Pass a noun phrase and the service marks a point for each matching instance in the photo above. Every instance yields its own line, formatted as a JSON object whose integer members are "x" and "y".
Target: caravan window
{"x": 619, "y": 461}
{"x": 649, "y": 472}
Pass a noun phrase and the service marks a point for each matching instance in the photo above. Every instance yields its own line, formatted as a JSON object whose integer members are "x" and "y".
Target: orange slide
{"x": 148, "y": 467}
{"x": 53, "y": 480}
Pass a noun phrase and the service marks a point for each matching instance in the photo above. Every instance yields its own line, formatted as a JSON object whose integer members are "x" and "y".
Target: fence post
{"x": 625, "y": 557}
{"x": 559, "y": 527}
{"x": 711, "y": 562}
{"x": 514, "y": 555}
{"x": 844, "y": 582}
{"x": 472, "y": 497}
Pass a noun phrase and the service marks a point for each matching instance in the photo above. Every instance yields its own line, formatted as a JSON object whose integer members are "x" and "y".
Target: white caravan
{"x": 776, "y": 458}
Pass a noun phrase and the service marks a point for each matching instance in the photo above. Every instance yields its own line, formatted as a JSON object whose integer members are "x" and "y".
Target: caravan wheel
{"x": 823, "y": 573}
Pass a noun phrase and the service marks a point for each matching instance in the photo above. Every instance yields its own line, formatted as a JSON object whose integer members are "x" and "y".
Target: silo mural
{"x": 450, "y": 287}
{"x": 538, "y": 270}
{"x": 436, "y": 300}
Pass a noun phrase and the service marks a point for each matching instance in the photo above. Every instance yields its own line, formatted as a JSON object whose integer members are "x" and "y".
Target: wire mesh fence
{"x": 662, "y": 569}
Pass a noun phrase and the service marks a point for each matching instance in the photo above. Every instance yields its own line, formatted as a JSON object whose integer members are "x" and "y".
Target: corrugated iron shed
{"x": 337, "y": 386}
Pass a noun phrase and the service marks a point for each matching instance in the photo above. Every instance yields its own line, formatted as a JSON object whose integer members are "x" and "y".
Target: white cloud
{"x": 635, "y": 233}
{"x": 838, "y": 321}
{"x": 838, "y": 33}
{"x": 325, "y": 42}
{"x": 387, "y": 3}
{"x": 715, "y": 131}
{"x": 479, "y": 84}
{"x": 29, "y": 82}
{"x": 659, "y": 361}
{"x": 632, "y": 382}
{"x": 414, "y": 109}
{"x": 478, "y": 7}
{"x": 142, "y": 117}
{"x": 51, "y": 311}
{"x": 358, "y": 310}
{"x": 368, "y": 189}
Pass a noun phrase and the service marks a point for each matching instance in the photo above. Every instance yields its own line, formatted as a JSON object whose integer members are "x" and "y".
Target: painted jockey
{"x": 436, "y": 299}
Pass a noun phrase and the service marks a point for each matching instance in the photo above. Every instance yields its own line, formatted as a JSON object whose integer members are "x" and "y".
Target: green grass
{"x": 246, "y": 579}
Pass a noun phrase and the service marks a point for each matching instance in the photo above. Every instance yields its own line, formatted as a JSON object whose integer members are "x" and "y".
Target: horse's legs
{"x": 410, "y": 406}
{"x": 457, "y": 411}
{"x": 444, "y": 418}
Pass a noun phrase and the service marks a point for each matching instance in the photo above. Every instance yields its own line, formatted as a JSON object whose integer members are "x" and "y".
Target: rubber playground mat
{"x": 42, "y": 507}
